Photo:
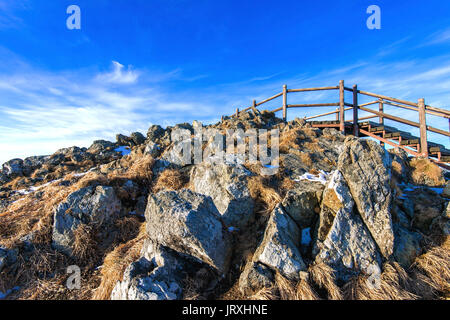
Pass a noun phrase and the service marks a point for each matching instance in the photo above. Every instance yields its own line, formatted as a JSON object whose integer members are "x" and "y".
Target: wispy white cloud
{"x": 439, "y": 37}
{"x": 119, "y": 74}
{"x": 10, "y": 13}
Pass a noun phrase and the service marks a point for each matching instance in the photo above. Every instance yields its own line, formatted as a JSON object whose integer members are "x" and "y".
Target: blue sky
{"x": 139, "y": 62}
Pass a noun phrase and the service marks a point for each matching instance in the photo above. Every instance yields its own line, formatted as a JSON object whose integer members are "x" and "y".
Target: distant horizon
{"x": 137, "y": 63}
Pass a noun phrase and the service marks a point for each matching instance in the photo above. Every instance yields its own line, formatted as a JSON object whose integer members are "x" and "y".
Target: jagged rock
{"x": 30, "y": 164}
{"x": 155, "y": 132}
{"x": 303, "y": 203}
{"x": 255, "y": 277}
{"x": 137, "y": 138}
{"x": 446, "y": 212}
{"x": 227, "y": 185}
{"x": 100, "y": 145}
{"x": 407, "y": 246}
{"x": 279, "y": 247}
{"x": 96, "y": 206}
{"x": 348, "y": 248}
{"x": 155, "y": 276}
{"x": 366, "y": 168}
{"x": 7, "y": 257}
{"x": 152, "y": 149}
{"x": 189, "y": 223}
{"x": 123, "y": 140}
{"x": 446, "y": 192}
{"x": 179, "y": 154}
{"x": 13, "y": 168}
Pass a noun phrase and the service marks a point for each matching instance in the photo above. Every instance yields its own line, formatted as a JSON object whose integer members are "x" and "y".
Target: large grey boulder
{"x": 137, "y": 138}
{"x": 349, "y": 247}
{"x": 13, "y": 168}
{"x": 279, "y": 249}
{"x": 94, "y": 206}
{"x": 155, "y": 276}
{"x": 365, "y": 166}
{"x": 227, "y": 185}
{"x": 155, "y": 132}
{"x": 189, "y": 223}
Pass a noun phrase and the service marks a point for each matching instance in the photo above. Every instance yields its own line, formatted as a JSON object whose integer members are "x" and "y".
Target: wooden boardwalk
{"x": 360, "y": 127}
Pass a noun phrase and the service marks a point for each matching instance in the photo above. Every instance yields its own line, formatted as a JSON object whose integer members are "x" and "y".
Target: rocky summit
{"x": 335, "y": 217}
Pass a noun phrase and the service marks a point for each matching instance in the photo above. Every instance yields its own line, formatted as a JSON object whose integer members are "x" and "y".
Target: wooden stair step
{"x": 434, "y": 149}
{"x": 445, "y": 158}
{"x": 392, "y": 135}
{"x": 376, "y": 129}
{"x": 409, "y": 142}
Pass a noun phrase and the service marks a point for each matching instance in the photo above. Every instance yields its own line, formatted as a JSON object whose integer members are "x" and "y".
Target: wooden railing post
{"x": 237, "y": 112}
{"x": 355, "y": 111}
{"x": 284, "y": 102}
{"x": 341, "y": 107}
{"x": 337, "y": 114}
{"x": 423, "y": 128}
{"x": 381, "y": 108}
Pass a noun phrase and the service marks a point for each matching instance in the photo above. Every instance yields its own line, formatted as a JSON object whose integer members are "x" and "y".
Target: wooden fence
{"x": 342, "y": 106}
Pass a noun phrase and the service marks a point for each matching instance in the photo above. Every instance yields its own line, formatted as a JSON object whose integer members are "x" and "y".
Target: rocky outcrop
{"x": 348, "y": 248}
{"x": 366, "y": 169}
{"x": 189, "y": 222}
{"x": 279, "y": 249}
{"x": 227, "y": 185}
{"x": 13, "y": 168}
{"x": 155, "y": 276}
{"x": 93, "y": 206}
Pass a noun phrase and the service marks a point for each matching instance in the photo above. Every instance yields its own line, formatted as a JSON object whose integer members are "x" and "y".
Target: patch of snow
{"x": 306, "y": 237}
{"x": 125, "y": 150}
{"x": 321, "y": 177}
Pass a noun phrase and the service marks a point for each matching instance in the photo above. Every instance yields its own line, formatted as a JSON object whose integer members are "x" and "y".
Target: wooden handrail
{"x": 387, "y": 98}
{"x": 382, "y": 100}
{"x": 326, "y": 114}
{"x": 312, "y": 105}
{"x": 269, "y": 99}
{"x": 313, "y": 89}
{"x": 391, "y": 117}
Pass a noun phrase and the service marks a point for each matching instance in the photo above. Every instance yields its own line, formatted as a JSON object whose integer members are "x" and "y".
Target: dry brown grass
{"x": 85, "y": 244}
{"x": 291, "y": 139}
{"x": 261, "y": 192}
{"x": 425, "y": 172}
{"x": 435, "y": 264}
{"x": 305, "y": 291}
{"x": 169, "y": 179}
{"x": 115, "y": 264}
{"x": 394, "y": 284}
{"x": 265, "y": 294}
{"x": 331, "y": 200}
{"x": 324, "y": 276}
